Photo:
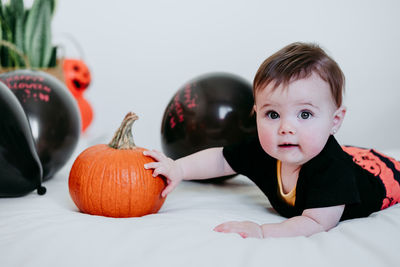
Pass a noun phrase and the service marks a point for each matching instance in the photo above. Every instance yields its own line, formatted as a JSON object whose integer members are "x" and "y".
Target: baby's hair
{"x": 297, "y": 61}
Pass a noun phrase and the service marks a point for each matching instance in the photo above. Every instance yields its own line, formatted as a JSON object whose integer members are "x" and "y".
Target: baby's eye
{"x": 272, "y": 115}
{"x": 305, "y": 115}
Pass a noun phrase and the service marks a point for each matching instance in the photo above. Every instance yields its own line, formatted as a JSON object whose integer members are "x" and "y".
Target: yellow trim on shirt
{"x": 289, "y": 198}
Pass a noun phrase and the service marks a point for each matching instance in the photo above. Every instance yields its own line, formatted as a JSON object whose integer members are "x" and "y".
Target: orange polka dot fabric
{"x": 385, "y": 168}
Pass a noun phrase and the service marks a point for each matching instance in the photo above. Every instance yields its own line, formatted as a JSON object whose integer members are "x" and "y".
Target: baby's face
{"x": 294, "y": 123}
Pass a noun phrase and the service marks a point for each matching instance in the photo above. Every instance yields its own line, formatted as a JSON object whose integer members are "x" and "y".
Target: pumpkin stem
{"x": 123, "y": 138}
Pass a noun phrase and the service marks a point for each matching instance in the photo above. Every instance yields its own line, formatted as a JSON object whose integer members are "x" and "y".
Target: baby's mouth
{"x": 288, "y": 145}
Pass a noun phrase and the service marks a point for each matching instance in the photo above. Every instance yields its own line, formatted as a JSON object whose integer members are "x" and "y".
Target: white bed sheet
{"x": 49, "y": 231}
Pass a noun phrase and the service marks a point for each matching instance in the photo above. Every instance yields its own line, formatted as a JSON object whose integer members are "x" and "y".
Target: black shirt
{"x": 329, "y": 179}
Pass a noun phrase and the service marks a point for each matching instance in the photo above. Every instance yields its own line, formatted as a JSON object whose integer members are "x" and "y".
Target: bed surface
{"x": 49, "y": 231}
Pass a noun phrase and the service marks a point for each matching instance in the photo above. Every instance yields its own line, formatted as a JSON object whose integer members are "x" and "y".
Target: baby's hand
{"x": 166, "y": 167}
{"x": 244, "y": 229}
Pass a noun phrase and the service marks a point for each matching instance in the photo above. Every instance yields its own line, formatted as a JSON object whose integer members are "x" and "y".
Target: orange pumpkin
{"x": 110, "y": 180}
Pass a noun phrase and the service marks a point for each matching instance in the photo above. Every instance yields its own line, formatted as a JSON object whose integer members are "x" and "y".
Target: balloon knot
{"x": 41, "y": 190}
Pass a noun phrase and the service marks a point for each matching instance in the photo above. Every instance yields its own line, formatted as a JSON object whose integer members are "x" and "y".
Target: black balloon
{"x": 20, "y": 167}
{"x": 212, "y": 110}
{"x": 52, "y": 113}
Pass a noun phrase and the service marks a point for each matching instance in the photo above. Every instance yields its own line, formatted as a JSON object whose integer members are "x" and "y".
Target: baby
{"x": 296, "y": 161}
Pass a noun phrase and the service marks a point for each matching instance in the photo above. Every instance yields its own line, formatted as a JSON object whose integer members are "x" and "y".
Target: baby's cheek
{"x": 313, "y": 146}
{"x": 267, "y": 142}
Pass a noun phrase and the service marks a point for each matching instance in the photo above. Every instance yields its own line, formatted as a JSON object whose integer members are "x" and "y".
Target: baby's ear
{"x": 338, "y": 118}
{"x": 253, "y": 110}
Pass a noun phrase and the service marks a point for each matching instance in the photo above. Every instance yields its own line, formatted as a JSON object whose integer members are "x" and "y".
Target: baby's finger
{"x": 168, "y": 189}
{"x": 226, "y": 227}
{"x": 151, "y": 165}
{"x": 157, "y": 171}
{"x": 157, "y": 155}
{"x": 150, "y": 153}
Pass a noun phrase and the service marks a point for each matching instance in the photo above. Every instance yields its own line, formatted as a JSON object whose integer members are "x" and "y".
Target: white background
{"x": 141, "y": 52}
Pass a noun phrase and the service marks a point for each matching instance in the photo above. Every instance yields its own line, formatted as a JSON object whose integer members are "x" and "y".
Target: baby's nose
{"x": 286, "y": 128}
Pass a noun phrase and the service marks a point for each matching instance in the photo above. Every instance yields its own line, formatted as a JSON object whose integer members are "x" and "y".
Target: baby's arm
{"x": 312, "y": 221}
{"x": 205, "y": 164}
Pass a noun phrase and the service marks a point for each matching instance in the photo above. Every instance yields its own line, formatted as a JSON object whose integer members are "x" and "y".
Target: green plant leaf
{"x": 17, "y": 6}
{"x": 29, "y": 30}
{"x": 40, "y": 47}
{"x": 18, "y": 13}
{"x": 7, "y": 56}
{"x": 33, "y": 15}
{"x": 31, "y": 23}
{"x": 19, "y": 33}
{"x": 53, "y": 59}
{"x": 1, "y": 20}
{"x": 37, "y": 38}
{"x": 53, "y": 6}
